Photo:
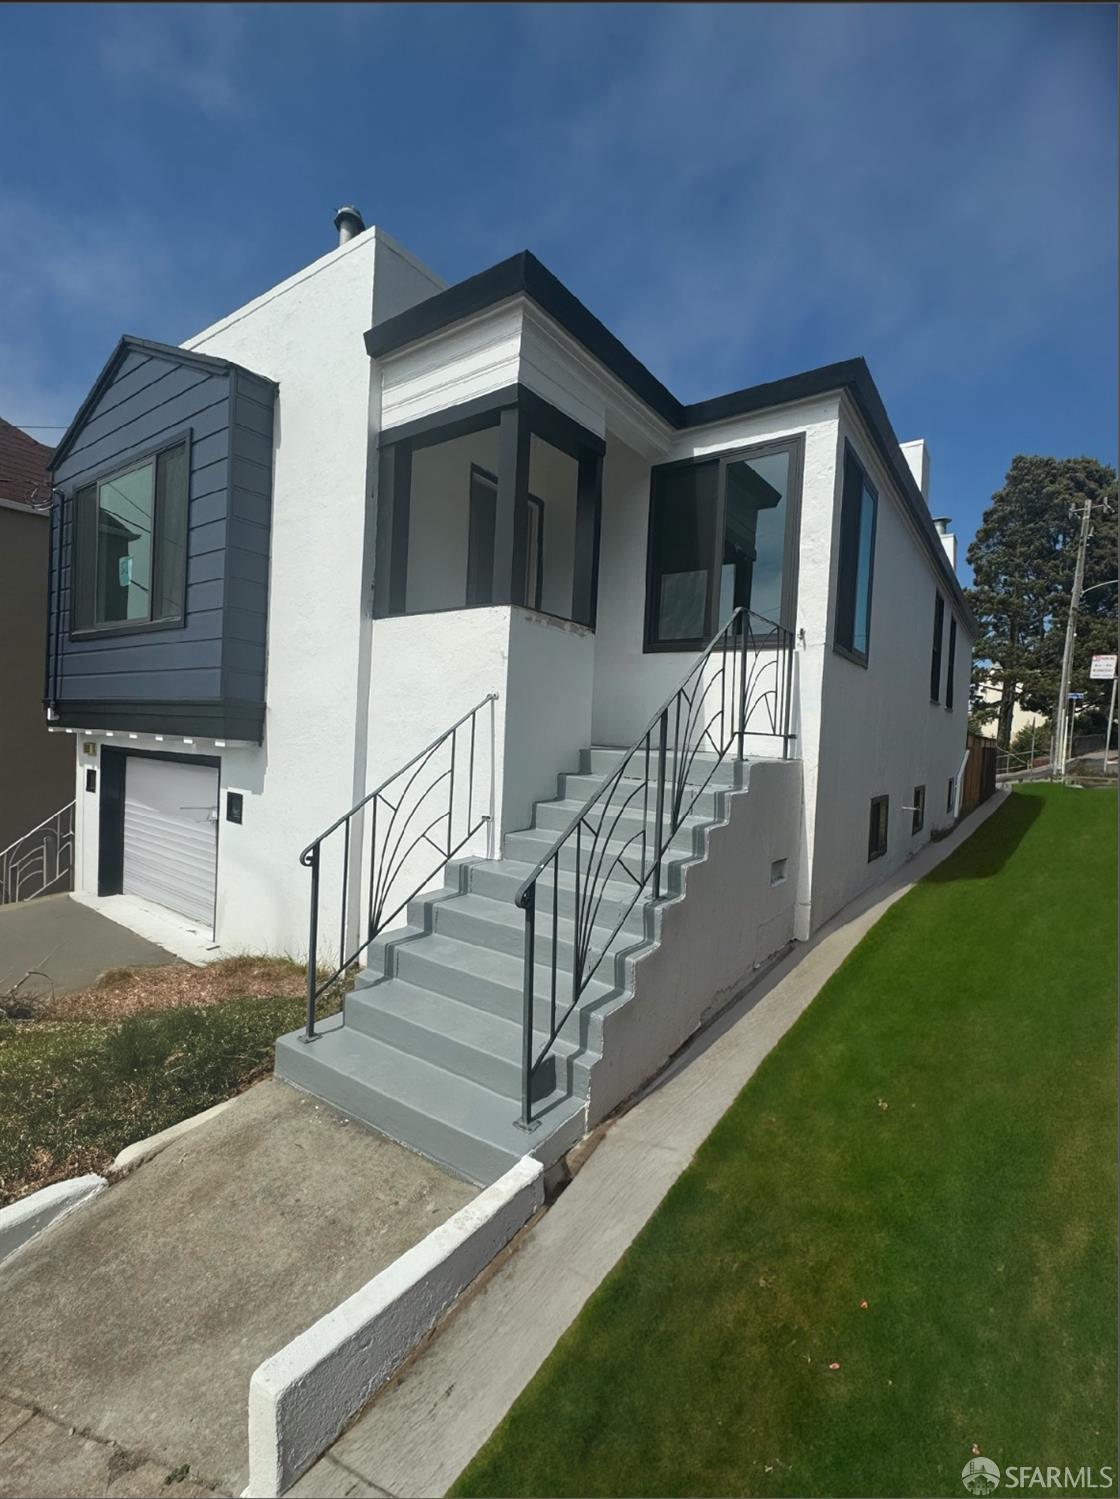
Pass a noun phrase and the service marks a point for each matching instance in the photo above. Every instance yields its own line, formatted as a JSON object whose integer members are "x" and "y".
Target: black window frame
{"x": 952, "y": 661}
{"x": 919, "y": 819}
{"x": 83, "y": 573}
{"x": 519, "y": 414}
{"x": 875, "y": 849}
{"x": 938, "y": 640}
{"x": 847, "y": 560}
{"x": 724, "y": 458}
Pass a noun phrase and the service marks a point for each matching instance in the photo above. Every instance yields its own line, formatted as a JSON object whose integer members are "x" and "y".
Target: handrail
{"x": 665, "y": 706}
{"x": 61, "y": 811}
{"x": 711, "y": 710}
{"x": 448, "y": 831}
{"x": 42, "y": 862}
{"x": 491, "y": 697}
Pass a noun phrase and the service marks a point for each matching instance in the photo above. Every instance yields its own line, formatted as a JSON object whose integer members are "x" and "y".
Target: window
{"x": 877, "y": 832}
{"x": 949, "y": 798}
{"x": 494, "y": 503}
{"x": 935, "y": 658}
{"x": 723, "y": 535}
{"x": 131, "y": 545}
{"x": 952, "y": 661}
{"x": 852, "y": 634}
{"x": 919, "y": 809}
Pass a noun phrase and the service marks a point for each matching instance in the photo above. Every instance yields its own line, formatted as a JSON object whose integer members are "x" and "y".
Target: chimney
{"x": 948, "y": 540}
{"x": 349, "y": 222}
{"x": 917, "y": 461}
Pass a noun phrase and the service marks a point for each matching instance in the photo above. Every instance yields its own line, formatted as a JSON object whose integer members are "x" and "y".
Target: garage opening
{"x": 159, "y": 831}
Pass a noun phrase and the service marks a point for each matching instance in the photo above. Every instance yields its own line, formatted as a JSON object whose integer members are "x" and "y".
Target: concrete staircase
{"x": 428, "y": 1047}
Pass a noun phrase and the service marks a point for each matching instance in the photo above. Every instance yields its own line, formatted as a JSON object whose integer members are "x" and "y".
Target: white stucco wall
{"x": 880, "y": 734}
{"x": 548, "y": 715}
{"x": 629, "y": 683}
{"x": 307, "y": 335}
{"x": 689, "y": 975}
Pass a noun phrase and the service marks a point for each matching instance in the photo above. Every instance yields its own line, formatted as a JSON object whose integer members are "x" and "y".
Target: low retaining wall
{"x": 302, "y": 1397}
{"x": 23, "y": 1220}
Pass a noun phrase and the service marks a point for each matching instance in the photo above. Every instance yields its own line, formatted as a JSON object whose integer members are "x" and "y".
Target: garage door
{"x": 170, "y": 835}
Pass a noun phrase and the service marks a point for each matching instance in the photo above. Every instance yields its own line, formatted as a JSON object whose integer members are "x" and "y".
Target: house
{"x": 420, "y": 627}
{"x": 36, "y": 769}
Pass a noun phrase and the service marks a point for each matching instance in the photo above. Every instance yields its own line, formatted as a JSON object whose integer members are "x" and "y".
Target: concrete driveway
{"x": 69, "y": 942}
{"x": 130, "y": 1332}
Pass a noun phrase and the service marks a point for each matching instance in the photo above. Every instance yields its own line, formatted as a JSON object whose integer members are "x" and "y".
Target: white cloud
{"x": 192, "y": 52}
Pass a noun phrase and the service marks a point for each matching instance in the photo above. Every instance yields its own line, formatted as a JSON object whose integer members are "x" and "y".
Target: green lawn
{"x": 74, "y": 1093}
{"x": 935, "y": 1137}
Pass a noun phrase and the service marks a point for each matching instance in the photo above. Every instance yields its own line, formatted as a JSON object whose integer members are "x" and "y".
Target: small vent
{"x": 778, "y": 871}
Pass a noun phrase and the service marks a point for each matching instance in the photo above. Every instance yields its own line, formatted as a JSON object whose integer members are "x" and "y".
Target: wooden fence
{"x": 979, "y": 772}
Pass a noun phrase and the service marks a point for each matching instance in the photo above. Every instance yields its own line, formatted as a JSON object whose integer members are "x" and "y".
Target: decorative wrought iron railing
{"x": 739, "y": 688}
{"x": 414, "y": 822}
{"x": 40, "y": 862}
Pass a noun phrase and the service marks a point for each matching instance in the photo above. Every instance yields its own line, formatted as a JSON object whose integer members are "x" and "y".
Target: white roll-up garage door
{"x": 170, "y": 835}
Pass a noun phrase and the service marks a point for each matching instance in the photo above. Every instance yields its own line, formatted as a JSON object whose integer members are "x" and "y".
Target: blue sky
{"x": 739, "y": 192}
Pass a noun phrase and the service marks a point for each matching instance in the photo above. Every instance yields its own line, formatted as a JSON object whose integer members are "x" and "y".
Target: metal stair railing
{"x": 739, "y": 687}
{"x": 40, "y": 859}
{"x": 411, "y": 815}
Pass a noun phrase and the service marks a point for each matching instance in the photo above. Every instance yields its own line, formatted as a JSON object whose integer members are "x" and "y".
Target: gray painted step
{"x": 711, "y": 803}
{"x": 623, "y": 817}
{"x": 502, "y": 878}
{"x": 500, "y": 925}
{"x": 465, "y": 1040}
{"x": 429, "y": 1047}
{"x": 726, "y": 772}
{"x": 450, "y": 1119}
{"x": 596, "y": 854}
{"x": 478, "y": 976}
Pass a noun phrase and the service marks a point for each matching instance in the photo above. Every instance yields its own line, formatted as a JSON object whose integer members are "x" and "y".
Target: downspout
{"x": 54, "y": 594}
{"x": 959, "y": 784}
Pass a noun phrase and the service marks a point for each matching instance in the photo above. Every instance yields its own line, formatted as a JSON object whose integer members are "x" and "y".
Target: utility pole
{"x": 1058, "y": 763}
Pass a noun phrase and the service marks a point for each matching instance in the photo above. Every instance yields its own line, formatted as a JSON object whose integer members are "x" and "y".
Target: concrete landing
{"x": 139, "y": 1320}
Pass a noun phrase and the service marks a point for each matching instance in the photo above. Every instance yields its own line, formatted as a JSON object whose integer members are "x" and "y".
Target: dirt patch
{"x": 136, "y": 991}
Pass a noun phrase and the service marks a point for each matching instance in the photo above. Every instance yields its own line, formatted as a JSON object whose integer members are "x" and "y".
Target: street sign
{"x": 1103, "y": 669}
{"x": 1076, "y": 697}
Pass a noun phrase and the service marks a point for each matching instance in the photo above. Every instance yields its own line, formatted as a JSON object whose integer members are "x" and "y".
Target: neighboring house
{"x": 36, "y": 770}
{"x": 367, "y": 507}
{"x": 990, "y": 694}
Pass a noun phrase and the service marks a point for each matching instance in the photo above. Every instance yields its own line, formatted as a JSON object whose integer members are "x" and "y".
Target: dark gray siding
{"x": 217, "y": 657}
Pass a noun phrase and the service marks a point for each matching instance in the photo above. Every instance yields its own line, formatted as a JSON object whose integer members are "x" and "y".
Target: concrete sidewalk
{"x": 130, "y": 1331}
{"x": 72, "y": 944}
{"x": 418, "y": 1434}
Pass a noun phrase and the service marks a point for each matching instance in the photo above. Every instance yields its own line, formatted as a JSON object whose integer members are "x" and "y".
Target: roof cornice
{"x": 524, "y": 275}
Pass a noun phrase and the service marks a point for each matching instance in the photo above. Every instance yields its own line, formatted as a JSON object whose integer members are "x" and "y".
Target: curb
{"x": 302, "y": 1397}
{"x": 26, "y": 1219}
{"x": 143, "y": 1150}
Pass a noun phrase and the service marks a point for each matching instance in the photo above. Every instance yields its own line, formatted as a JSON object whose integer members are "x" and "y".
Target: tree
{"x": 1023, "y": 560}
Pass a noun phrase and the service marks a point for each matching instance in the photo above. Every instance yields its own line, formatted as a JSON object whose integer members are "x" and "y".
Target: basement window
{"x": 877, "y": 831}
{"x": 131, "y": 545}
{"x": 919, "y": 810}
